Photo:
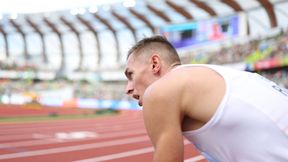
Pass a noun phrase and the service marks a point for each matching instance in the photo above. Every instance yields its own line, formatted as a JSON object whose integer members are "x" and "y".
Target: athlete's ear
{"x": 155, "y": 63}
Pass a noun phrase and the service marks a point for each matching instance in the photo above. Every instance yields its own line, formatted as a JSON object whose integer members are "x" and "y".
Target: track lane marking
{"x": 51, "y": 140}
{"x": 116, "y": 127}
{"x": 74, "y": 148}
{"x": 102, "y": 130}
{"x": 195, "y": 158}
{"x": 134, "y": 153}
{"x": 118, "y": 155}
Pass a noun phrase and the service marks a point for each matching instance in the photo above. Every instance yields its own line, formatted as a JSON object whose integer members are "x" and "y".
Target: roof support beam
{"x": 159, "y": 13}
{"x": 77, "y": 33}
{"x": 22, "y": 33}
{"x": 233, "y": 4}
{"x": 179, "y": 9}
{"x": 109, "y": 26}
{"x": 95, "y": 33}
{"x": 5, "y": 35}
{"x": 270, "y": 12}
{"x": 126, "y": 23}
{"x": 143, "y": 19}
{"x": 205, "y": 7}
{"x": 41, "y": 34}
{"x": 60, "y": 37}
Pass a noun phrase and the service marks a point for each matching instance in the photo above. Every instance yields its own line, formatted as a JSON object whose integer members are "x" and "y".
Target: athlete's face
{"x": 139, "y": 77}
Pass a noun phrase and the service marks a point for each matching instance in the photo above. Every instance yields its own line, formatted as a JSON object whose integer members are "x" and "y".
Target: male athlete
{"x": 229, "y": 115}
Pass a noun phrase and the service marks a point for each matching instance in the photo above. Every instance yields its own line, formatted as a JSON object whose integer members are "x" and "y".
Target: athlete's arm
{"x": 163, "y": 123}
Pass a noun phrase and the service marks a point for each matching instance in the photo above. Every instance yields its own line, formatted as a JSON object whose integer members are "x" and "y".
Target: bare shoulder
{"x": 186, "y": 90}
{"x": 178, "y": 82}
{"x": 204, "y": 91}
{"x": 167, "y": 89}
{"x": 164, "y": 95}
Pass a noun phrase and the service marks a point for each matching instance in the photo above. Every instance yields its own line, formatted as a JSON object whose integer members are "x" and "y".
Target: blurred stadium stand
{"x": 79, "y": 54}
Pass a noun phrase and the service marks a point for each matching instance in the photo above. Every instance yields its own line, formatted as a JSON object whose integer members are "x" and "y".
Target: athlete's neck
{"x": 174, "y": 65}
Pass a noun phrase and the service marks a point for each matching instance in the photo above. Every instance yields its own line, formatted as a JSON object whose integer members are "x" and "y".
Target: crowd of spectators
{"x": 7, "y": 65}
{"x": 101, "y": 91}
{"x": 268, "y": 47}
{"x": 255, "y": 50}
{"x": 280, "y": 77}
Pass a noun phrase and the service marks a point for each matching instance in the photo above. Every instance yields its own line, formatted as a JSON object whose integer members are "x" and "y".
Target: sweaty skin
{"x": 173, "y": 100}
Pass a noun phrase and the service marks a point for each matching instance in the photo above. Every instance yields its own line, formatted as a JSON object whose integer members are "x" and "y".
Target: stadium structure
{"x": 76, "y": 57}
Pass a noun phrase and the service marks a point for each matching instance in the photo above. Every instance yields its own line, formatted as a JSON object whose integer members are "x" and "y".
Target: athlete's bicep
{"x": 163, "y": 123}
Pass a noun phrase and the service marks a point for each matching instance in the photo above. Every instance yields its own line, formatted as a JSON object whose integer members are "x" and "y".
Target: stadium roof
{"x": 138, "y": 18}
{"x": 36, "y": 6}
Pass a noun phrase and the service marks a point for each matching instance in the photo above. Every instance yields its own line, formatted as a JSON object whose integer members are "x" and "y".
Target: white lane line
{"x": 75, "y": 148}
{"x": 25, "y": 135}
{"x": 133, "y": 153}
{"x": 119, "y": 155}
{"x": 51, "y": 140}
{"x": 195, "y": 159}
{"x": 99, "y": 126}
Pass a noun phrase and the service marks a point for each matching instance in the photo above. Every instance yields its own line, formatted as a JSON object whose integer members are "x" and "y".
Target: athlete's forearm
{"x": 167, "y": 158}
{"x": 169, "y": 151}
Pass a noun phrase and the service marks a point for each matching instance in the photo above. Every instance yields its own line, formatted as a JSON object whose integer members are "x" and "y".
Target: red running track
{"x": 120, "y": 138}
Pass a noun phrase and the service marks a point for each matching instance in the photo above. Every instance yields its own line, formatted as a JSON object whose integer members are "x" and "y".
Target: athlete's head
{"x": 147, "y": 61}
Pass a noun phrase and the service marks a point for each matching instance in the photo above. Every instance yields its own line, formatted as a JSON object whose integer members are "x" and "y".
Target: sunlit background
{"x": 64, "y": 59}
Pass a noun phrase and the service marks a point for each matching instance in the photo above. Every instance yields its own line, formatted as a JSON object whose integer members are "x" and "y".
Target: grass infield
{"x": 54, "y": 116}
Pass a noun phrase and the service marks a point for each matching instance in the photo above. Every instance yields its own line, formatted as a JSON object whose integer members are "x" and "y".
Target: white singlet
{"x": 250, "y": 124}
